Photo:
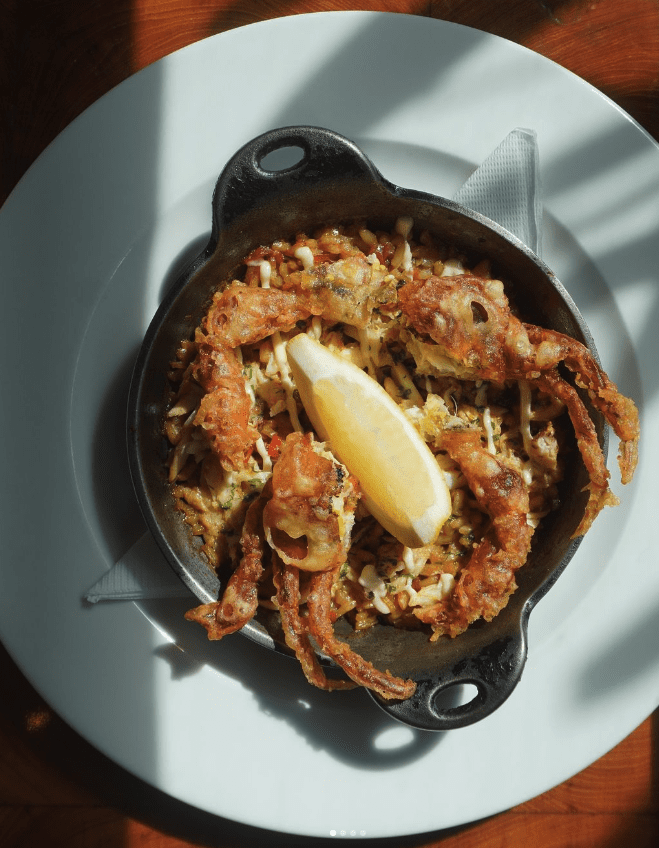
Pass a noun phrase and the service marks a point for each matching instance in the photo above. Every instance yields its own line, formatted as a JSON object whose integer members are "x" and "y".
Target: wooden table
{"x": 58, "y": 57}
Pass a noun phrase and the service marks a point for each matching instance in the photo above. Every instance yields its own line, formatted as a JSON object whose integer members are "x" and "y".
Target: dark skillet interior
{"x": 334, "y": 182}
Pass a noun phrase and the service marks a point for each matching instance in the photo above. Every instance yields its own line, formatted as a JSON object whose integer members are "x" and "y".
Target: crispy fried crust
{"x": 243, "y": 315}
{"x": 487, "y": 581}
{"x": 240, "y": 598}
{"x": 467, "y": 316}
{"x": 470, "y": 319}
{"x": 224, "y": 410}
{"x": 619, "y": 411}
{"x": 599, "y": 493}
{"x": 356, "y": 667}
{"x": 287, "y": 584}
{"x": 300, "y": 520}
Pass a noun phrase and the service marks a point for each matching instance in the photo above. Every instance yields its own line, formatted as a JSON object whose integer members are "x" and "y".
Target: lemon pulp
{"x": 401, "y": 482}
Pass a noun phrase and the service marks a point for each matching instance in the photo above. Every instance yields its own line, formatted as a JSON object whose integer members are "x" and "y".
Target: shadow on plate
{"x": 622, "y": 659}
{"x": 348, "y": 725}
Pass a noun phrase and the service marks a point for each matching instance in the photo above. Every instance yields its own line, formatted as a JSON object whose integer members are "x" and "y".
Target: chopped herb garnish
{"x": 227, "y": 504}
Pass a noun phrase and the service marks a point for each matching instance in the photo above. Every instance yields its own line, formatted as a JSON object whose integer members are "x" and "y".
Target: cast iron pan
{"x": 333, "y": 181}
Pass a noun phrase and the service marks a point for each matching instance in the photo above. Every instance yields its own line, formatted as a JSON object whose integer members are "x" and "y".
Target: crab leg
{"x": 356, "y": 667}
{"x": 619, "y": 411}
{"x": 287, "y": 583}
{"x": 243, "y": 315}
{"x": 224, "y": 411}
{"x": 240, "y": 599}
{"x": 488, "y": 579}
{"x": 588, "y": 444}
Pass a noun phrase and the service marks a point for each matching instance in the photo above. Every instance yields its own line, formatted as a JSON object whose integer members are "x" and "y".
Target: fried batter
{"x": 240, "y": 598}
{"x": 482, "y": 387}
{"x": 470, "y": 320}
{"x": 296, "y": 632}
{"x": 488, "y": 579}
{"x": 309, "y": 516}
{"x": 356, "y": 667}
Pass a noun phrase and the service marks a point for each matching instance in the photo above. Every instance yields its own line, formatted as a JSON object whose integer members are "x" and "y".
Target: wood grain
{"x": 56, "y": 58}
{"x": 613, "y": 46}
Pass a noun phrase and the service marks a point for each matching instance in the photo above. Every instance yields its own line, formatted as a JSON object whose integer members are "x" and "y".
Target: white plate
{"x": 87, "y": 239}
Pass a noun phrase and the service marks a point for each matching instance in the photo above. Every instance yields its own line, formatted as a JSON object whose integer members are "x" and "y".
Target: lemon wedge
{"x": 401, "y": 482}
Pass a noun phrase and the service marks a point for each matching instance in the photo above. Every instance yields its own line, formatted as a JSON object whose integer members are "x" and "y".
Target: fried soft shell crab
{"x": 486, "y": 391}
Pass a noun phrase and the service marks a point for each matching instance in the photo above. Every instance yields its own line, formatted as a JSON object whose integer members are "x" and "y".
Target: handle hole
{"x": 455, "y": 695}
{"x": 282, "y": 159}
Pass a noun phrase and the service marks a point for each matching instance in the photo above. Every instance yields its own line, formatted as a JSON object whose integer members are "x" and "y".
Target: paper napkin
{"x": 142, "y": 572}
{"x": 504, "y": 188}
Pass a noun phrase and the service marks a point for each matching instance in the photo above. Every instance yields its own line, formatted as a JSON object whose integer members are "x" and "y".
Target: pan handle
{"x": 245, "y": 182}
{"x": 495, "y": 672}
